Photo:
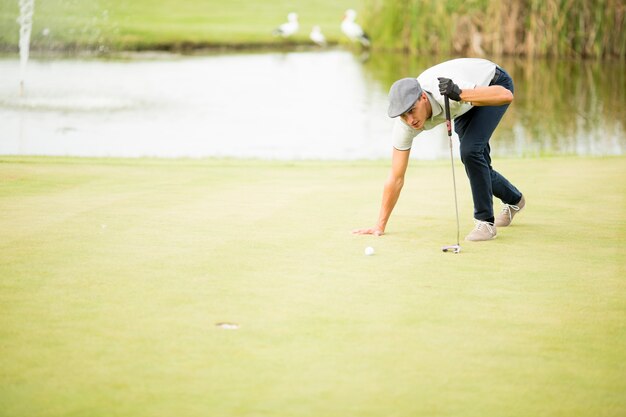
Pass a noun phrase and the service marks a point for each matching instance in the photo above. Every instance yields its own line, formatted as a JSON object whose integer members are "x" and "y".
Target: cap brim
{"x": 397, "y": 111}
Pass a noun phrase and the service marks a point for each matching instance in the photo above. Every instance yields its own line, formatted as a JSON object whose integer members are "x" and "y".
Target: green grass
{"x": 113, "y": 274}
{"x": 142, "y": 24}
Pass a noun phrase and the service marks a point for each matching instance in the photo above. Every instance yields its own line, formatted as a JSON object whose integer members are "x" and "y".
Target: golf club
{"x": 452, "y": 248}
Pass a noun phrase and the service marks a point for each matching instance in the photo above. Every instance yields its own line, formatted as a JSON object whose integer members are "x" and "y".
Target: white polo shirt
{"x": 467, "y": 73}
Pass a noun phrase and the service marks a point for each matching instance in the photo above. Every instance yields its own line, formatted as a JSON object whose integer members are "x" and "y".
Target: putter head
{"x": 452, "y": 248}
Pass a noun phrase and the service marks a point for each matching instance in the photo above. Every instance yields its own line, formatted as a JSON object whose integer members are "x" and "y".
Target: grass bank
{"x": 172, "y": 25}
{"x": 114, "y": 274}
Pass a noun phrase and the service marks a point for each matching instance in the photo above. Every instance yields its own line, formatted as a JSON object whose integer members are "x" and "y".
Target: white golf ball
{"x": 369, "y": 251}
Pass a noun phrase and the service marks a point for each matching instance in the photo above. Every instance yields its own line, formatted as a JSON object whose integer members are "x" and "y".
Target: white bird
{"x": 317, "y": 36}
{"x": 352, "y": 29}
{"x": 287, "y": 29}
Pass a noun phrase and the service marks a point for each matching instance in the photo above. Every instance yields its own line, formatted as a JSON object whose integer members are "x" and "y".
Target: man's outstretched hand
{"x": 368, "y": 231}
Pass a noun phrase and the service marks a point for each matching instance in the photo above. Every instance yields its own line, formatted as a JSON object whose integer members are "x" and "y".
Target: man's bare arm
{"x": 391, "y": 192}
{"x": 494, "y": 95}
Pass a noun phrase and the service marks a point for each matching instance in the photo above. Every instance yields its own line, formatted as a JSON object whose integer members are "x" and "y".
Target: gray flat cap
{"x": 402, "y": 95}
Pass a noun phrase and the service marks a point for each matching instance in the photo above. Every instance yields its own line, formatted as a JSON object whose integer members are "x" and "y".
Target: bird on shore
{"x": 317, "y": 36}
{"x": 353, "y": 30}
{"x": 289, "y": 28}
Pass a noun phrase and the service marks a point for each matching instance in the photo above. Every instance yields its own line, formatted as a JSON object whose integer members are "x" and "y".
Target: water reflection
{"x": 561, "y": 107}
{"x": 299, "y": 105}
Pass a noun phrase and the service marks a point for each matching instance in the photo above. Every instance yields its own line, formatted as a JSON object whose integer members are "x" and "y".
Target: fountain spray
{"x": 27, "y": 7}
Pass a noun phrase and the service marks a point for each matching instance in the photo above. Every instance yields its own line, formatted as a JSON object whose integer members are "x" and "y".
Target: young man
{"x": 480, "y": 92}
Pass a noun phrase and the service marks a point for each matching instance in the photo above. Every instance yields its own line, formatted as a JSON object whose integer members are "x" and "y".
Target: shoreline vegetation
{"x": 182, "y": 48}
{"x": 575, "y": 29}
{"x": 531, "y": 28}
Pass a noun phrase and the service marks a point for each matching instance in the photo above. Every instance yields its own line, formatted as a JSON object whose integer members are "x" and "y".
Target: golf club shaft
{"x": 449, "y": 127}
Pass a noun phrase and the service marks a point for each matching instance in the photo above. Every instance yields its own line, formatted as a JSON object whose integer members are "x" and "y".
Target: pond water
{"x": 288, "y": 105}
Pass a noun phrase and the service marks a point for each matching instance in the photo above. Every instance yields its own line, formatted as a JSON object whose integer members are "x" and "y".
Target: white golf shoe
{"x": 508, "y": 212}
{"x": 482, "y": 231}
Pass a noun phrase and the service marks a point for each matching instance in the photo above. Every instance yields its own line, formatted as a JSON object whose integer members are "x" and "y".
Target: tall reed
{"x": 558, "y": 28}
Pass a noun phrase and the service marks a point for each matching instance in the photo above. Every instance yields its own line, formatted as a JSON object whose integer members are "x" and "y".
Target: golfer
{"x": 480, "y": 92}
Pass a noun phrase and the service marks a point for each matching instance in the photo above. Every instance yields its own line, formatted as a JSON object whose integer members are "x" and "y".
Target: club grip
{"x": 446, "y": 101}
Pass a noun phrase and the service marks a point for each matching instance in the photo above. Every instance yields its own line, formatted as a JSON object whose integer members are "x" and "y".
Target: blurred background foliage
{"x": 564, "y": 28}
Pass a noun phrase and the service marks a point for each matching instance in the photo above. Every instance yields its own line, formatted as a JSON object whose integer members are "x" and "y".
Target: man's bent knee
{"x": 472, "y": 154}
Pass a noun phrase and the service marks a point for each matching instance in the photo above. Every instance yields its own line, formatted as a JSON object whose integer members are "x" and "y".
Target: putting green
{"x": 114, "y": 274}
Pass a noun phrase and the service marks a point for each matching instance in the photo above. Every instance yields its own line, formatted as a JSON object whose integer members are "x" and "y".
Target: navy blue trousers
{"x": 475, "y": 129}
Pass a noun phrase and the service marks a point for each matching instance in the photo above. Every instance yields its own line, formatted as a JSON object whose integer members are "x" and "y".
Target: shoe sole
{"x": 482, "y": 240}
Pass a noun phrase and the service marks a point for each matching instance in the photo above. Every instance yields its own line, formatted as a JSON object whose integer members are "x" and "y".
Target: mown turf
{"x": 147, "y": 24}
{"x": 114, "y": 273}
